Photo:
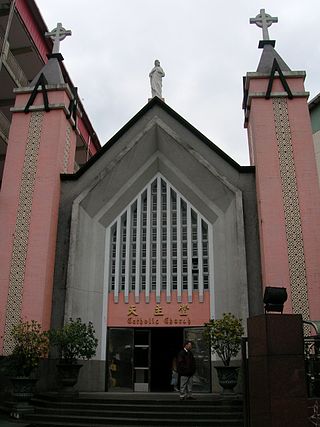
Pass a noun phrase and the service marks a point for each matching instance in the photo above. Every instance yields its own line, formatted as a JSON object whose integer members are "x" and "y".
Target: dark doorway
{"x": 165, "y": 345}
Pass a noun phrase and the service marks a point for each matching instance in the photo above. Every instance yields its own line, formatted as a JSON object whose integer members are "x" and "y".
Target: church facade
{"x": 160, "y": 230}
{"x": 161, "y": 224}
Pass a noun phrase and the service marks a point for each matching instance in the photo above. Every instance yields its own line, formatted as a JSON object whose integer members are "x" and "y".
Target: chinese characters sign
{"x": 158, "y": 314}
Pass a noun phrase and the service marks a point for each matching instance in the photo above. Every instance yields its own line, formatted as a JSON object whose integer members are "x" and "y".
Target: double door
{"x": 141, "y": 359}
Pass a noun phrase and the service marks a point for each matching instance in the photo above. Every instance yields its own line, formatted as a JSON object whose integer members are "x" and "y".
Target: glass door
{"x": 120, "y": 359}
{"x": 141, "y": 360}
{"x": 202, "y": 377}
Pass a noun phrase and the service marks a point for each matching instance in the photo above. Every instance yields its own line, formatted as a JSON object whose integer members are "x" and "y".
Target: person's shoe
{"x": 182, "y": 398}
{"x": 190, "y": 398}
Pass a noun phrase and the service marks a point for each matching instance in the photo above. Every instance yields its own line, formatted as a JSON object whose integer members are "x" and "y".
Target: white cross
{"x": 263, "y": 20}
{"x": 57, "y": 35}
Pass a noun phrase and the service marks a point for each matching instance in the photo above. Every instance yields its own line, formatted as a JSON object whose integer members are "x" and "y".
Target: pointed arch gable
{"x": 103, "y": 193}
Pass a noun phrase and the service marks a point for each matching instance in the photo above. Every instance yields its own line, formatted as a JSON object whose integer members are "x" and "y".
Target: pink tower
{"x": 41, "y": 146}
{"x": 281, "y": 149}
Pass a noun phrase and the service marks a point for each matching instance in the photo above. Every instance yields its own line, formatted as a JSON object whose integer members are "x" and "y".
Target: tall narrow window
{"x": 161, "y": 237}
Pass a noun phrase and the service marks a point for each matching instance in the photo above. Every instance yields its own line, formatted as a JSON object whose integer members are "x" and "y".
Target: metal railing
{"x": 13, "y": 66}
{"x": 312, "y": 360}
{"x": 4, "y": 126}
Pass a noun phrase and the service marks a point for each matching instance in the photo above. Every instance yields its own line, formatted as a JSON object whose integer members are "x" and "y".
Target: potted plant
{"x": 224, "y": 338}
{"x": 31, "y": 344}
{"x": 75, "y": 340}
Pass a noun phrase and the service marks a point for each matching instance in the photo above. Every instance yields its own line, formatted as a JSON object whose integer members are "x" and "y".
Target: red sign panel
{"x": 158, "y": 314}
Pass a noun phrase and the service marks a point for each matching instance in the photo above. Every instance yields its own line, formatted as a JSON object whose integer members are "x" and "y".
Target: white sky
{"x": 204, "y": 46}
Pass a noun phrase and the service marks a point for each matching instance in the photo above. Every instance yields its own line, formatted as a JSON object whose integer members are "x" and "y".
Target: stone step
{"x": 216, "y": 401}
{"x": 63, "y": 420}
{"x": 71, "y": 424}
{"x": 146, "y": 407}
{"x": 178, "y": 413}
{"x": 51, "y": 410}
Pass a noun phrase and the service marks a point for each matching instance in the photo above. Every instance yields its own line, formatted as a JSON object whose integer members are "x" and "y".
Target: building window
{"x": 141, "y": 260}
{"x": 184, "y": 282}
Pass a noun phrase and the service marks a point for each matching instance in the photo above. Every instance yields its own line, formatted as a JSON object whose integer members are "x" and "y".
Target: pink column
{"x": 282, "y": 151}
{"x": 41, "y": 146}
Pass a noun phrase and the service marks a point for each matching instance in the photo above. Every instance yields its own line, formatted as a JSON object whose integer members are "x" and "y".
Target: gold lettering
{"x": 183, "y": 309}
{"x": 132, "y": 310}
{"x": 142, "y": 321}
{"x": 158, "y": 310}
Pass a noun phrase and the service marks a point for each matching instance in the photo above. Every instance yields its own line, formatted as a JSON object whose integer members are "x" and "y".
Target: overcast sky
{"x": 204, "y": 46}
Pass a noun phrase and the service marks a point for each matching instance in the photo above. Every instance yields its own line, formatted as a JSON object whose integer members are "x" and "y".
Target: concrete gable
{"x": 157, "y": 143}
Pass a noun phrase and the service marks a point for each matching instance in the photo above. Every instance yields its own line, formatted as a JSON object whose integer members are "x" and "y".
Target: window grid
{"x": 159, "y": 243}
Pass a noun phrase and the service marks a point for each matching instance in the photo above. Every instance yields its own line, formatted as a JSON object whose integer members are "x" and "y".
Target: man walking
{"x": 186, "y": 367}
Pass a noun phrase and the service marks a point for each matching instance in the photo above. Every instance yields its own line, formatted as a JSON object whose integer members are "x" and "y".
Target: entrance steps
{"x": 128, "y": 410}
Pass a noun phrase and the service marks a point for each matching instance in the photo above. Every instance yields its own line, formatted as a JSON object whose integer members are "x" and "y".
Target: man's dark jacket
{"x": 186, "y": 364}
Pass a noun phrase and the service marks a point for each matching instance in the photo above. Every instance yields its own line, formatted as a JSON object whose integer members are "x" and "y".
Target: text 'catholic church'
{"x": 159, "y": 230}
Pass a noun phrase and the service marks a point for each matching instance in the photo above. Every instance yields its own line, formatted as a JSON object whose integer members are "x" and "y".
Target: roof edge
{"x": 156, "y": 101}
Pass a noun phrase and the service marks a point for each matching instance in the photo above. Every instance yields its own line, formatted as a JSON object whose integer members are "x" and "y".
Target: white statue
{"x": 156, "y": 75}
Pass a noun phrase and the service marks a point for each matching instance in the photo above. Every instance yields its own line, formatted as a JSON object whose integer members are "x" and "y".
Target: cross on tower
{"x": 263, "y": 20}
{"x": 57, "y": 35}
